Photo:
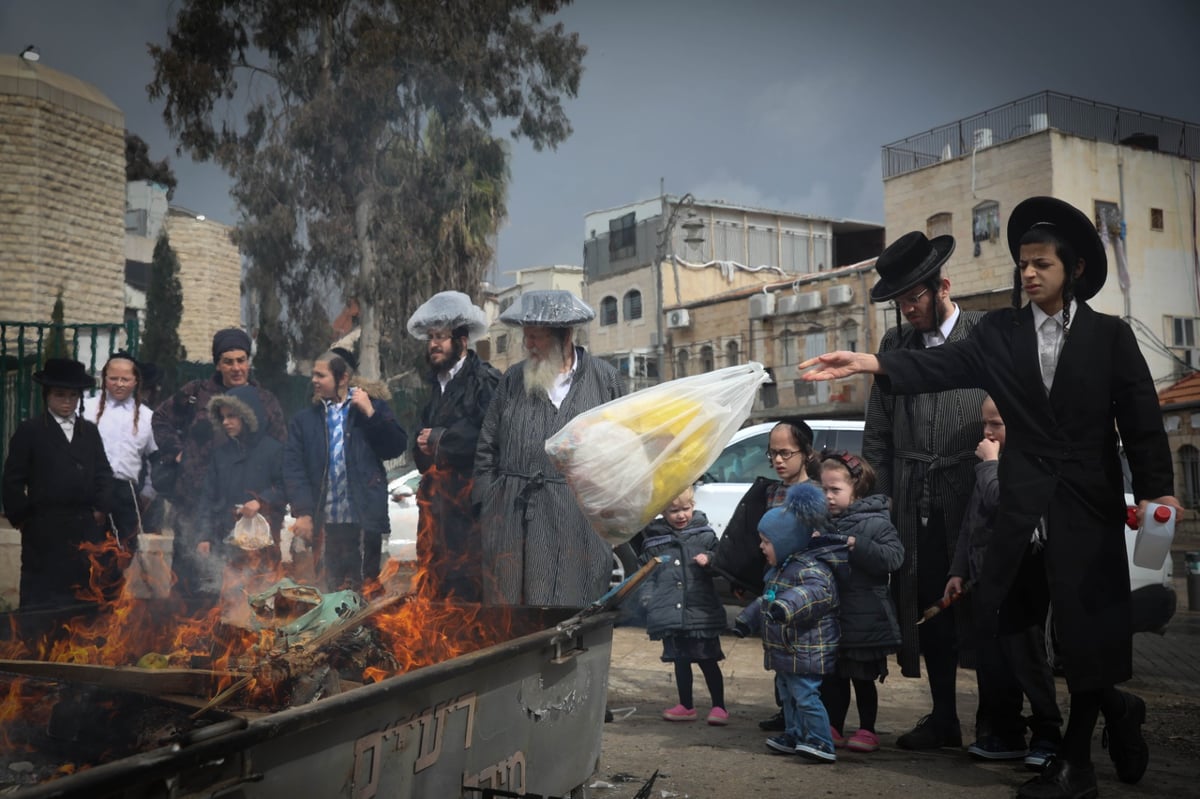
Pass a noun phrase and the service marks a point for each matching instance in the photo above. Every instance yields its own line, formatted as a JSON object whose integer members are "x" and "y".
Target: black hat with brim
{"x": 907, "y": 262}
{"x": 1072, "y": 225}
{"x": 64, "y": 373}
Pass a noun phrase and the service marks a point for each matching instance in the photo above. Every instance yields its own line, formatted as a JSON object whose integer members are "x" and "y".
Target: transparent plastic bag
{"x": 627, "y": 459}
{"x": 252, "y": 533}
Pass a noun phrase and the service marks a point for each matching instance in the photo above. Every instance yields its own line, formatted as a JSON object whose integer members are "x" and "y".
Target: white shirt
{"x": 936, "y": 338}
{"x": 66, "y": 423}
{"x": 122, "y": 445}
{"x": 445, "y": 377}
{"x": 562, "y": 383}
{"x": 1050, "y": 341}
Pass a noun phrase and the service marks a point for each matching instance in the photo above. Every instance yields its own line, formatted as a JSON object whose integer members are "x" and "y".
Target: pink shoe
{"x": 863, "y": 741}
{"x": 679, "y": 713}
{"x": 838, "y": 740}
{"x": 717, "y": 717}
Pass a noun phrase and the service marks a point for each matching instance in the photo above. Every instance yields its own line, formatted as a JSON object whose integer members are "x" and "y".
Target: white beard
{"x": 540, "y": 374}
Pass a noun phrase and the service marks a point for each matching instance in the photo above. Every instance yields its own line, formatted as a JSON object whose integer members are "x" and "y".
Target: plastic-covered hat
{"x": 548, "y": 308}
{"x": 448, "y": 310}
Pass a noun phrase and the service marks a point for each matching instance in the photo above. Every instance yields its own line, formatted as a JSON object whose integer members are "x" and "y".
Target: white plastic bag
{"x": 627, "y": 459}
{"x": 252, "y": 533}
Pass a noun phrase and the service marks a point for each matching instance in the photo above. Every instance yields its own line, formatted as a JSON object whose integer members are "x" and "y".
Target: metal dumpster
{"x": 523, "y": 716}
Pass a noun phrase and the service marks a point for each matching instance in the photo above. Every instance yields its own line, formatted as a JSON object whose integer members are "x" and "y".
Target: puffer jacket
{"x": 868, "y": 615}
{"x": 679, "y": 595}
{"x": 804, "y": 638}
{"x": 368, "y": 443}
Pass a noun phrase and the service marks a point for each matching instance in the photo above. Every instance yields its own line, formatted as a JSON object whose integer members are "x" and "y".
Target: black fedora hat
{"x": 1074, "y": 226}
{"x": 64, "y": 373}
{"x": 909, "y": 260}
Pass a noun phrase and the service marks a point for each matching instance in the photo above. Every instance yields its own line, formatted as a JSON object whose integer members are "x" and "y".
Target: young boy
{"x": 57, "y": 483}
{"x": 1015, "y": 661}
{"x": 797, "y": 615}
{"x": 683, "y": 609}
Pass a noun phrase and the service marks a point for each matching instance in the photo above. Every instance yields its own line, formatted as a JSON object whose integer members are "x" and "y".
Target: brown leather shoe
{"x": 1061, "y": 780}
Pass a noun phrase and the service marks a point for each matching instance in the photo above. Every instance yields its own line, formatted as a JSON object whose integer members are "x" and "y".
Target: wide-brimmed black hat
{"x": 548, "y": 308}
{"x": 1074, "y": 226}
{"x": 64, "y": 373}
{"x": 909, "y": 260}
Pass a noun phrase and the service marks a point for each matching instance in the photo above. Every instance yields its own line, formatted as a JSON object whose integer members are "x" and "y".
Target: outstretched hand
{"x": 843, "y": 363}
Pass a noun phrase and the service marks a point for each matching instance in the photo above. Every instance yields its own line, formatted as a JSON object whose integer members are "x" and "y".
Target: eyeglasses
{"x": 911, "y": 300}
{"x": 440, "y": 336}
{"x": 786, "y": 454}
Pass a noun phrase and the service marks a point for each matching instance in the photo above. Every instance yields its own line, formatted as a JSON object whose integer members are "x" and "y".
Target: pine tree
{"x": 164, "y": 307}
{"x": 55, "y": 345}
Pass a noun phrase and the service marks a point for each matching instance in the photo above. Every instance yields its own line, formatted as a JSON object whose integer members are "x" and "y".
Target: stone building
{"x": 502, "y": 346}
{"x": 62, "y": 196}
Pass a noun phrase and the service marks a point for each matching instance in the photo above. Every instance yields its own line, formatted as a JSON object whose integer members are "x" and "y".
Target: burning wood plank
{"x": 157, "y": 682}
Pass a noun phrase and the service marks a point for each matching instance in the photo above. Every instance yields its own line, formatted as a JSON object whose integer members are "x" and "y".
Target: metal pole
{"x": 659, "y": 253}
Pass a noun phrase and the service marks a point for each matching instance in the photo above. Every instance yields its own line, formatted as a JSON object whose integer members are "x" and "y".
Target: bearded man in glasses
{"x": 923, "y": 450}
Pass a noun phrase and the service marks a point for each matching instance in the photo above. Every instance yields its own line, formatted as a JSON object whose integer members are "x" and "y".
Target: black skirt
{"x": 691, "y": 648}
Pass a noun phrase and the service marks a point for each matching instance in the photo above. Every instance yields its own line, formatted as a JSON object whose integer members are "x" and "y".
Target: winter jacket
{"x": 797, "y": 615}
{"x": 738, "y": 558}
{"x": 977, "y": 523}
{"x": 868, "y": 615}
{"x": 679, "y": 595}
{"x": 243, "y": 468}
{"x": 368, "y": 443}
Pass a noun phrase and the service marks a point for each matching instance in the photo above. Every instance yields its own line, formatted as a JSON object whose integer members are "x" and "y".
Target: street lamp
{"x": 693, "y": 227}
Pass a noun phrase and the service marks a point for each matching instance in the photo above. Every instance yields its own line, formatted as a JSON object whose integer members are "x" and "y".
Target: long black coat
{"x": 51, "y": 488}
{"x": 448, "y": 542}
{"x": 1060, "y": 460}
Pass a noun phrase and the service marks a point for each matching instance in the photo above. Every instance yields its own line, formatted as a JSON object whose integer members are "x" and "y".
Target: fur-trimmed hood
{"x": 243, "y": 401}
{"x": 376, "y": 389}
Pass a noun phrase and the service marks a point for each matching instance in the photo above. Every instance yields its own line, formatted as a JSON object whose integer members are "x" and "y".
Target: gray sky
{"x": 761, "y": 102}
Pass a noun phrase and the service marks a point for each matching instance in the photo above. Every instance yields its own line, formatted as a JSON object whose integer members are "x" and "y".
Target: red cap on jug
{"x": 1162, "y": 514}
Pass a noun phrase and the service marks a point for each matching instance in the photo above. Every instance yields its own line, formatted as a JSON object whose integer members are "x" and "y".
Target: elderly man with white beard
{"x": 538, "y": 548}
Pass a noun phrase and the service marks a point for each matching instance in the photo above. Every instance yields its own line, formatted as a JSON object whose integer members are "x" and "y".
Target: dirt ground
{"x": 702, "y": 762}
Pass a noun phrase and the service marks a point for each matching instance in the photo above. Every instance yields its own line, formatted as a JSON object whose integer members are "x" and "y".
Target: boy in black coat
{"x": 56, "y": 489}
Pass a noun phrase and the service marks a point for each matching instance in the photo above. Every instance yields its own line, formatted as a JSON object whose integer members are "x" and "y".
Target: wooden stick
{"x": 126, "y": 678}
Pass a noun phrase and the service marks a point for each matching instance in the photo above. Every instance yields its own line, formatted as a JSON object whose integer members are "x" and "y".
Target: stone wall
{"x": 62, "y": 205}
{"x": 210, "y": 272}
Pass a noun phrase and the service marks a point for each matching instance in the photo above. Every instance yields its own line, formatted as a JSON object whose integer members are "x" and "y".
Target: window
{"x": 622, "y": 237}
{"x": 506, "y": 303}
{"x": 787, "y": 348}
{"x": 939, "y": 225}
{"x": 633, "y": 304}
{"x": 1156, "y": 219}
{"x": 608, "y": 311}
{"x": 731, "y": 352}
{"x": 502, "y": 343}
{"x": 985, "y": 221}
{"x": 1108, "y": 215}
{"x": 1189, "y": 462}
{"x": 681, "y": 363}
{"x": 707, "y": 362}
{"x": 1183, "y": 332}
{"x": 850, "y": 335}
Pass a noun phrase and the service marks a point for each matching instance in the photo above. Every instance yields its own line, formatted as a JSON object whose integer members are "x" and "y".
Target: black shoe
{"x": 1123, "y": 739}
{"x": 773, "y": 724}
{"x": 608, "y": 716}
{"x": 1061, "y": 780}
{"x": 931, "y": 734}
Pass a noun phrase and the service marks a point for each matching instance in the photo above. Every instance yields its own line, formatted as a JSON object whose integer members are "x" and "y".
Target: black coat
{"x": 448, "y": 542}
{"x": 1060, "y": 460}
{"x": 738, "y": 558}
{"x": 679, "y": 596}
{"x": 51, "y": 488}
{"x": 868, "y": 614}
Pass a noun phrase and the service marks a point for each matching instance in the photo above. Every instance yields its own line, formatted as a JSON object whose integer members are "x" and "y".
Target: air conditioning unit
{"x": 808, "y": 301}
{"x": 983, "y": 138}
{"x": 840, "y": 295}
{"x": 679, "y": 319}
{"x": 787, "y": 305}
{"x": 762, "y": 305}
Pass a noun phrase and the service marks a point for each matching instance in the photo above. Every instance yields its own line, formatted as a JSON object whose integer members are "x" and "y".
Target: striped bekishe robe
{"x": 538, "y": 547}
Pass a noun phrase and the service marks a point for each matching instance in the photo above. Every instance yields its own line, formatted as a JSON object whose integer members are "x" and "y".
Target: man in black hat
{"x": 184, "y": 434}
{"x": 538, "y": 547}
{"x": 923, "y": 451}
{"x": 57, "y": 484}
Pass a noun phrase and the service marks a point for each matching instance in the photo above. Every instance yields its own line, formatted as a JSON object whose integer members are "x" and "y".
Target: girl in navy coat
{"x": 1060, "y": 375}
{"x": 870, "y": 630}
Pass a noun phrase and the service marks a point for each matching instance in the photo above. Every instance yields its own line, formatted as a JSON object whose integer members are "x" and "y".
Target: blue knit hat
{"x": 789, "y": 527}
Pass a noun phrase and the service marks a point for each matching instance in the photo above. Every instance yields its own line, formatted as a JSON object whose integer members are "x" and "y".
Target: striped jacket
{"x": 801, "y": 634}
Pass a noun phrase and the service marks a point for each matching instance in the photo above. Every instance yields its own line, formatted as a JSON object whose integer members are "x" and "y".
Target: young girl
{"x": 870, "y": 630}
{"x": 738, "y": 558}
{"x": 1060, "y": 374}
{"x": 682, "y": 607}
{"x": 334, "y": 474}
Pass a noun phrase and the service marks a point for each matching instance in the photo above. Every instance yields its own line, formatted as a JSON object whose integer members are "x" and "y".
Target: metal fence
{"x": 23, "y": 347}
{"x": 1086, "y": 119}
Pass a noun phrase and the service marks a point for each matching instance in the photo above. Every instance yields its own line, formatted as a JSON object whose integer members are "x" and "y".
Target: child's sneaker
{"x": 862, "y": 741}
{"x": 1039, "y": 754}
{"x": 718, "y": 717}
{"x": 996, "y": 747}
{"x": 838, "y": 739}
{"x": 679, "y": 713}
{"x": 817, "y": 751}
{"x": 782, "y": 743}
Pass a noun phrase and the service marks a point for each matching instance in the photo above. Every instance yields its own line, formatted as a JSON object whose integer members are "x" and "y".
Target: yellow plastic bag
{"x": 627, "y": 459}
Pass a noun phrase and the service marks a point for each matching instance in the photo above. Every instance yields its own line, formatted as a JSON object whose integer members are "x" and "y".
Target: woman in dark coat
{"x": 56, "y": 491}
{"x": 1061, "y": 375}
